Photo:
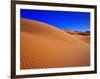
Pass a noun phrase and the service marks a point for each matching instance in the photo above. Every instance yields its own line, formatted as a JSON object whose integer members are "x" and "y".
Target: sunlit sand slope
{"x": 84, "y": 36}
{"x": 45, "y": 46}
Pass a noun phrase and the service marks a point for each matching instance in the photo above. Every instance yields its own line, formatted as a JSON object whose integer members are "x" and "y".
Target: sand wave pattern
{"x": 45, "y": 46}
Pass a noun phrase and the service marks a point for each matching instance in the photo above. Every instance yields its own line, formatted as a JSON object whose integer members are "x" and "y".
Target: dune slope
{"x": 44, "y": 46}
{"x": 80, "y": 35}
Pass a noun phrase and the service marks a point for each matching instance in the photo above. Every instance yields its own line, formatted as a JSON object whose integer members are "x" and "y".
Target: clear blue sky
{"x": 76, "y": 21}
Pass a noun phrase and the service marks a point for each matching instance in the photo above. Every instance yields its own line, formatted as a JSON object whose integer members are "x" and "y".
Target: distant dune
{"x": 45, "y": 46}
{"x": 85, "y": 36}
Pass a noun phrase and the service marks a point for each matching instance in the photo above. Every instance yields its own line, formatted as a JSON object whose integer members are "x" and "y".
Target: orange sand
{"x": 45, "y": 46}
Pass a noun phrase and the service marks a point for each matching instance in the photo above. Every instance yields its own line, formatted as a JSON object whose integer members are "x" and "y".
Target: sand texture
{"x": 45, "y": 46}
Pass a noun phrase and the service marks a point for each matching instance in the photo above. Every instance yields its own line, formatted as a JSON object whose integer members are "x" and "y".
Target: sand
{"x": 84, "y": 36}
{"x": 45, "y": 46}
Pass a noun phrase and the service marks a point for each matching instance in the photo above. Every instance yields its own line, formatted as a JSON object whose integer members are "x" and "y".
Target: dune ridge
{"x": 44, "y": 46}
{"x": 84, "y": 36}
{"x": 40, "y": 29}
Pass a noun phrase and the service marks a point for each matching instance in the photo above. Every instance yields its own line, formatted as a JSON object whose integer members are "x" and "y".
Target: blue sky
{"x": 66, "y": 20}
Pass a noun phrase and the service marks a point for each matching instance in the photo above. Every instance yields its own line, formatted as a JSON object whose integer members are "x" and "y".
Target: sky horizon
{"x": 65, "y": 20}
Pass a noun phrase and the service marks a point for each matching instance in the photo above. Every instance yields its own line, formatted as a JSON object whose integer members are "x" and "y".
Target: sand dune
{"x": 84, "y": 36}
{"x": 77, "y": 32}
{"x": 44, "y": 46}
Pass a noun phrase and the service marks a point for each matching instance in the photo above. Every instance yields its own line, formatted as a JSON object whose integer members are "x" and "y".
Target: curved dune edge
{"x": 83, "y": 36}
{"x": 44, "y": 46}
{"x": 44, "y": 29}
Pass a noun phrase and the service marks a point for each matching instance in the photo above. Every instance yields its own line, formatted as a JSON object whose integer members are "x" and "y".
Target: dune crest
{"x": 44, "y": 46}
{"x": 84, "y": 36}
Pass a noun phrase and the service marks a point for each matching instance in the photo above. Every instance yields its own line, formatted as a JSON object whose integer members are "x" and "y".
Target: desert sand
{"x": 45, "y": 46}
{"x": 84, "y": 36}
